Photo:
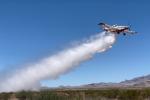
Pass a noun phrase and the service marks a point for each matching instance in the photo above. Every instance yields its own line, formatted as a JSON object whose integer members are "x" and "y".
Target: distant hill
{"x": 143, "y": 81}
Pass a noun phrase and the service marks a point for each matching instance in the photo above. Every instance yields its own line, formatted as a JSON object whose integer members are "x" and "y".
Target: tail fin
{"x": 101, "y": 24}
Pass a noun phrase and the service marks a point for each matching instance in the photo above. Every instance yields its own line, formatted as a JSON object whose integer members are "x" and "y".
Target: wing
{"x": 131, "y": 32}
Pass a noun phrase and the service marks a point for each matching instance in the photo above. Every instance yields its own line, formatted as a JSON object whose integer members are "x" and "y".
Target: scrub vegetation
{"x": 80, "y": 94}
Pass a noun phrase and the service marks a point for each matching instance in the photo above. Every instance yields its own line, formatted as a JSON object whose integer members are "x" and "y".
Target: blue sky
{"x": 33, "y": 29}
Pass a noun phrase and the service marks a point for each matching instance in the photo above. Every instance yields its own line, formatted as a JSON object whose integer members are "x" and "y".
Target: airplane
{"x": 116, "y": 29}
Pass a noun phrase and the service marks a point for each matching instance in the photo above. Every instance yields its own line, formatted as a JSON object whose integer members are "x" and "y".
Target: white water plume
{"x": 30, "y": 76}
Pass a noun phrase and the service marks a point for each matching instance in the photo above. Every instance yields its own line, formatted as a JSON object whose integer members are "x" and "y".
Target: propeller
{"x": 129, "y": 26}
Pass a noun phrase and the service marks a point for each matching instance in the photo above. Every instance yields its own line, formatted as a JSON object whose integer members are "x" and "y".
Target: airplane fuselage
{"x": 116, "y": 29}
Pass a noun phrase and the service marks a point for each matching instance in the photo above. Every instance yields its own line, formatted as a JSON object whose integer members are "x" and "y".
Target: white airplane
{"x": 116, "y": 29}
